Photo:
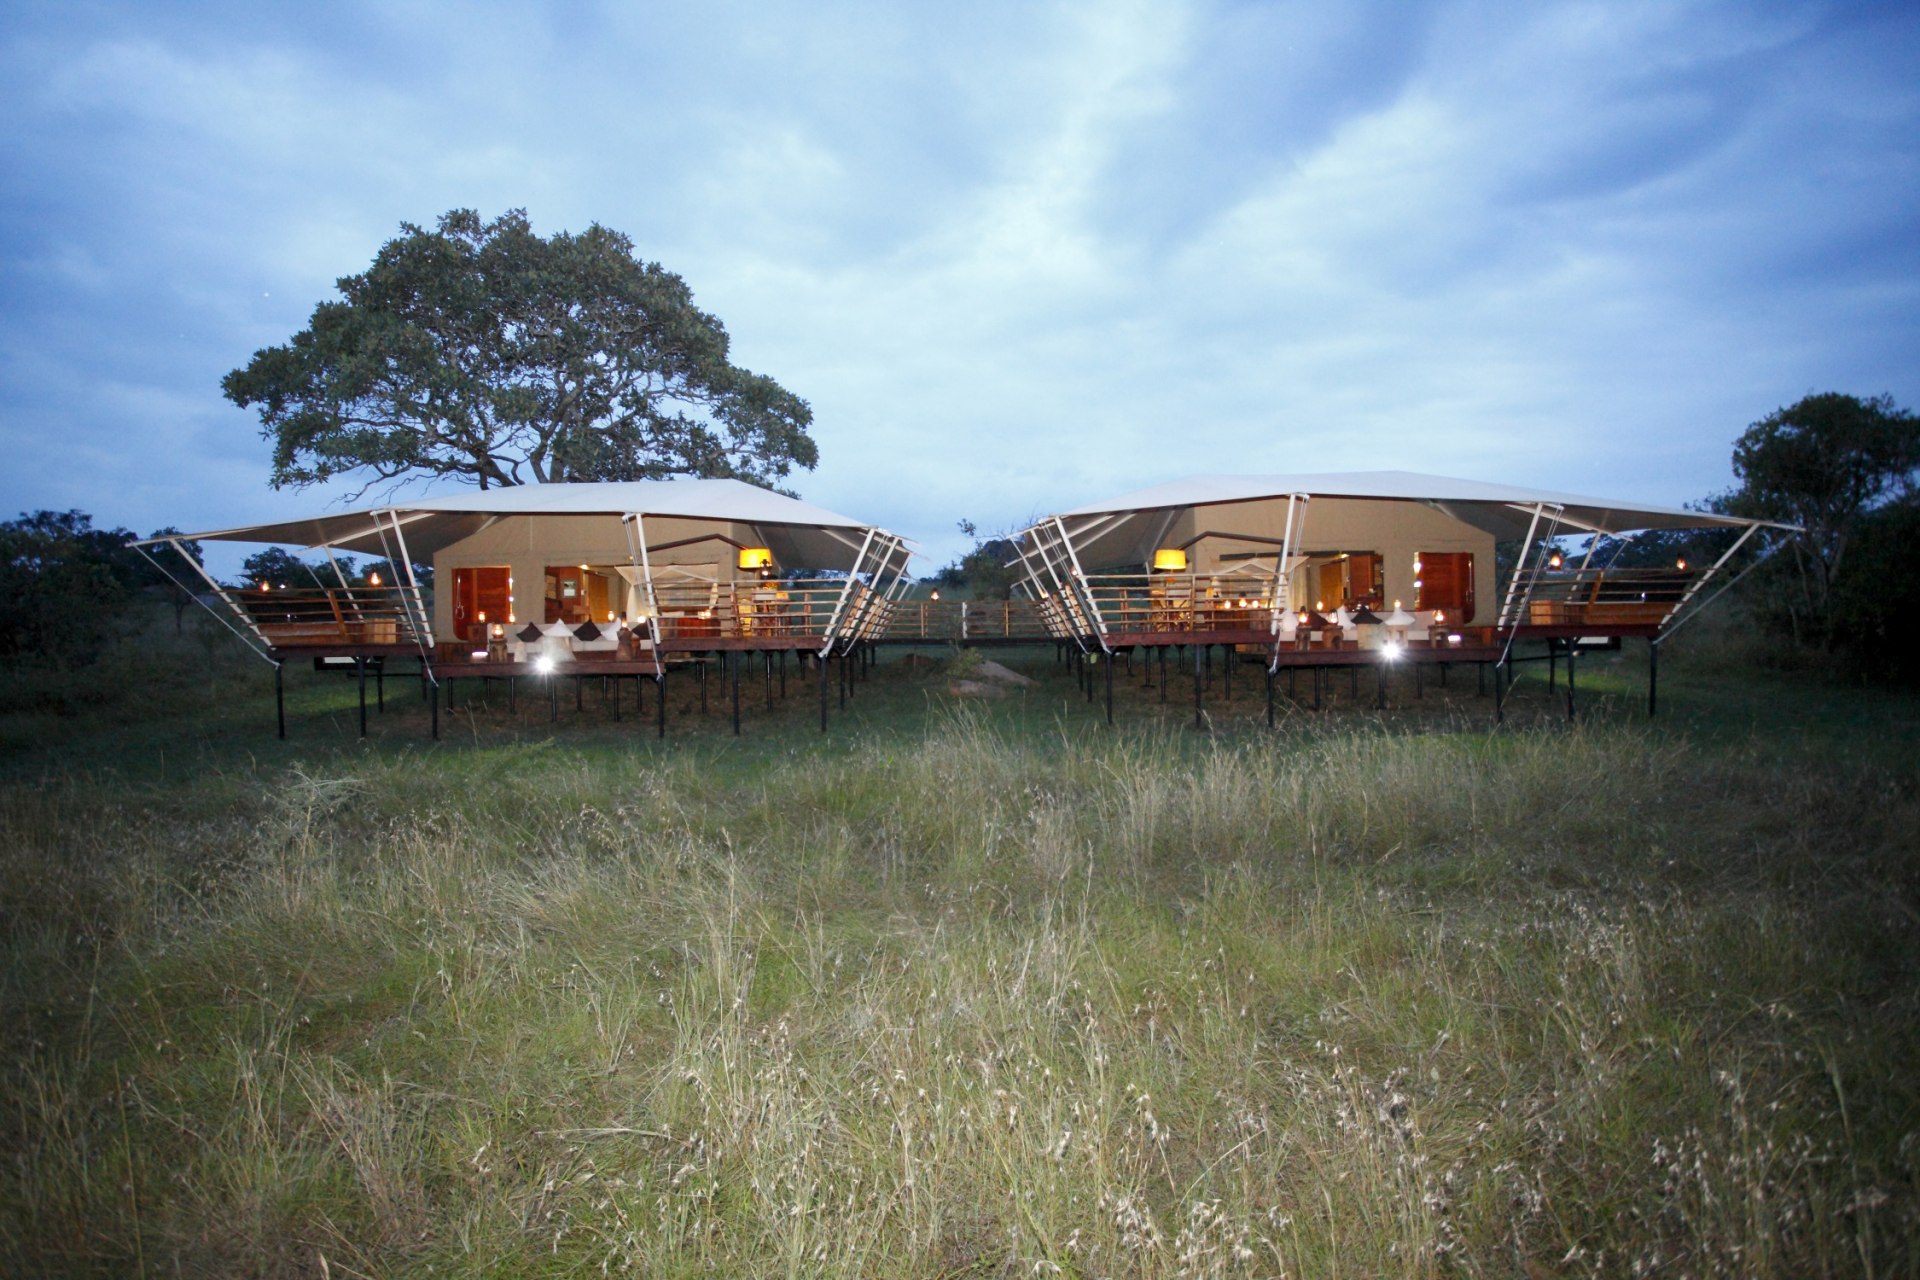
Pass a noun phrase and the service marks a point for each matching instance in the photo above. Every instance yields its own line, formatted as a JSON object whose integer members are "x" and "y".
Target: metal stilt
{"x": 1653, "y": 676}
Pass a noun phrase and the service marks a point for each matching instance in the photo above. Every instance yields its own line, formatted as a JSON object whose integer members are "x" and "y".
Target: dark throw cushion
{"x": 528, "y": 634}
{"x": 586, "y": 631}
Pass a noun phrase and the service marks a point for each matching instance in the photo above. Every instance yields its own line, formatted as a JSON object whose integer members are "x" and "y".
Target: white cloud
{"x": 1016, "y": 256}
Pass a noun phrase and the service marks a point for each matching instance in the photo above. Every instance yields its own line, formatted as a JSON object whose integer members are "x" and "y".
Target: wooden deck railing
{"x": 318, "y": 617}
{"x": 1182, "y": 602}
{"x": 1603, "y": 596}
{"x": 751, "y": 609}
{"x": 957, "y": 621}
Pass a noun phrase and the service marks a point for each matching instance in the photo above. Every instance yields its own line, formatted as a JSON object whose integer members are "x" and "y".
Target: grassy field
{"x": 959, "y": 989}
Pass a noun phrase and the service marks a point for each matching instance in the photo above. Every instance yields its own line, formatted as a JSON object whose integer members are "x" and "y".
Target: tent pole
{"x": 279, "y": 697}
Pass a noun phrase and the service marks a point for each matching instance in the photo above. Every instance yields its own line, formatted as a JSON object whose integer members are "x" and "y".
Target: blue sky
{"x": 1017, "y": 256}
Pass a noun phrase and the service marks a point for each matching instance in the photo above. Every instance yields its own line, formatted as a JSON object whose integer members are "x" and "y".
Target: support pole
{"x": 820, "y": 662}
{"x": 731, "y": 672}
{"x": 280, "y": 696}
{"x": 661, "y": 712}
{"x": 1572, "y": 713}
{"x": 1499, "y": 694}
{"x": 1108, "y": 665}
{"x": 1269, "y": 697}
{"x": 1199, "y": 720}
{"x": 360, "y": 670}
{"x": 433, "y": 703}
{"x": 767, "y": 657}
{"x": 1653, "y": 676}
{"x": 1380, "y": 682}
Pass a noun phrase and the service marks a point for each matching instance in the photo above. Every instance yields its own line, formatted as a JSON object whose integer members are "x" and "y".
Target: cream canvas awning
{"x": 797, "y": 532}
{"x": 1123, "y": 529}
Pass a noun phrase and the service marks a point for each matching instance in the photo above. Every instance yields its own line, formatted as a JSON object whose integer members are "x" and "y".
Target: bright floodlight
{"x": 1391, "y": 651}
{"x": 544, "y": 666}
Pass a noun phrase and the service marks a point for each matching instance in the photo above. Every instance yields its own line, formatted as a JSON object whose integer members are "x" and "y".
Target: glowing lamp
{"x": 756, "y": 558}
{"x": 544, "y": 666}
{"x": 373, "y": 579}
{"x": 498, "y": 631}
{"x": 934, "y": 596}
{"x": 1170, "y": 560}
{"x": 1681, "y": 564}
{"x": 1554, "y": 561}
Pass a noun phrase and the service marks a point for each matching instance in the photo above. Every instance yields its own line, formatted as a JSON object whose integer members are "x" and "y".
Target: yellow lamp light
{"x": 1170, "y": 560}
{"x": 756, "y": 558}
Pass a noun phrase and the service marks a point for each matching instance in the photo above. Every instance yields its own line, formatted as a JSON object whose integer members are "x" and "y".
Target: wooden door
{"x": 480, "y": 596}
{"x": 1446, "y": 582}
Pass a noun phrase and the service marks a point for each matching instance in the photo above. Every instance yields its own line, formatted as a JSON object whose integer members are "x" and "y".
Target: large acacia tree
{"x": 482, "y": 349}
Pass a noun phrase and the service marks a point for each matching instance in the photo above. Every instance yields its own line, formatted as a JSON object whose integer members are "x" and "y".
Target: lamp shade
{"x": 1170, "y": 560}
{"x": 756, "y": 558}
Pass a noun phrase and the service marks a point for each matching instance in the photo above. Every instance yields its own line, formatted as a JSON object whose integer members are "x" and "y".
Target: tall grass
{"x": 970, "y": 1001}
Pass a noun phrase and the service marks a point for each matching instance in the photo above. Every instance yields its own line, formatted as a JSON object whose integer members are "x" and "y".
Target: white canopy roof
{"x": 1503, "y": 510}
{"x": 798, "y": 532}
{"x": 1121, "y": 530}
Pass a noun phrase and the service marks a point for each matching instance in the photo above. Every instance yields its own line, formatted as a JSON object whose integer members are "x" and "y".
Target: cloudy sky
{"x": 1018, "y": 257}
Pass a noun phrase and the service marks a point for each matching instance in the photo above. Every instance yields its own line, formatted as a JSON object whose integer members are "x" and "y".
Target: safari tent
{"x": 1354, "y": 568}
{"x": 611, "y": 579}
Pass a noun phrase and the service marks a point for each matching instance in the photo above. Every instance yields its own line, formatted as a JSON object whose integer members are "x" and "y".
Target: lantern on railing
{"x": 1170, "y": 560}
{"x": 1369, "y": 628}
{"x": 1399, "y": 623}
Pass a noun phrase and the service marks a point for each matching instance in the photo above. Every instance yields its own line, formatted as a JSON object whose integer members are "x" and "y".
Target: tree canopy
{"x": 67, "y": 583}
{"x": 1825, "y": 463}
{"x": 481, "y": 349}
